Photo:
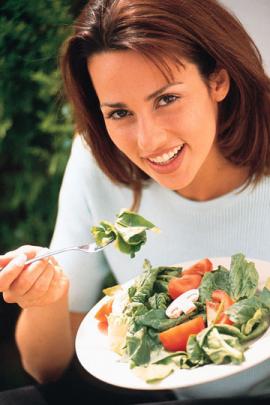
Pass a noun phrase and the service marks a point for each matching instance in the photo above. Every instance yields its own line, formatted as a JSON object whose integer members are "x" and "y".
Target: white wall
{"x": 255, "y": 16}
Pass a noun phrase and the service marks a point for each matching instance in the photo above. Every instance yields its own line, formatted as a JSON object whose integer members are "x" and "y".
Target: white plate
{"x": 96, "y": 357}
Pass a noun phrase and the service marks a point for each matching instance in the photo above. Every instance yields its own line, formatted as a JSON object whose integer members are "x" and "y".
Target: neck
{"x": 207, "y": 186}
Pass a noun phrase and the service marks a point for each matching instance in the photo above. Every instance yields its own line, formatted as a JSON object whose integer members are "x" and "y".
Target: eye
{"x": 118, "y": 114}
{"x": 166, "y": 99}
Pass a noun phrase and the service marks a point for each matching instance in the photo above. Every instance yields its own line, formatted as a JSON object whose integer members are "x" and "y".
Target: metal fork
{"x": 88, "y": 248}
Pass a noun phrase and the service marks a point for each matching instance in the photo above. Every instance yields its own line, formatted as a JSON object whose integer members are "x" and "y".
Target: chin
{"x": 172, "y": 185}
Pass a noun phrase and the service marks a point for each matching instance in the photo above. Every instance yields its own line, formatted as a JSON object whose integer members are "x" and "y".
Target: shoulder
{"x": 81, "y": 154}
{"x": 85, "y": 176}
{"x": 262, "y": 188}
{"x": 82, "y": 166}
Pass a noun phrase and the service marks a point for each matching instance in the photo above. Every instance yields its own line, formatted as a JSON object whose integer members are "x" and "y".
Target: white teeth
{"x": 166, "y": 156}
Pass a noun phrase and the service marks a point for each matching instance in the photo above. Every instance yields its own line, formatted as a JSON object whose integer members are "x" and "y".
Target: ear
{"x": 219, "y": 82}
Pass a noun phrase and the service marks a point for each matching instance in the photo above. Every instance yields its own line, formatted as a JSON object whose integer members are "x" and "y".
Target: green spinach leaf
{"x": 243, "y": 310}
{"x": 157, "y": 319}
{"x": 159, "y": 300}
{"x": 144, "y": 284}
{"x": 214, "y": 280}
{"x": 138, "y": 348}
{"x": 243, "y": 278}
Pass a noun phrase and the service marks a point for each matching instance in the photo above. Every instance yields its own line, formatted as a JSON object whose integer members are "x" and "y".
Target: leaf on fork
{"x": 128, "y": 232}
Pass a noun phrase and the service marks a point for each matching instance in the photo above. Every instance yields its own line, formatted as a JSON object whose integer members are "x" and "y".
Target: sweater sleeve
{"x": 86, "y": 272}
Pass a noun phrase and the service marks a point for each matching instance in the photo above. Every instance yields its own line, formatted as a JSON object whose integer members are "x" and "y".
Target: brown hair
{"x": 202, "y": 31}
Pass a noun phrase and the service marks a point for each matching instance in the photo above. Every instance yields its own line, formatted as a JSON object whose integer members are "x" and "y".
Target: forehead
{"x": 116, "y": 70}
{"x": 110, "y": 63}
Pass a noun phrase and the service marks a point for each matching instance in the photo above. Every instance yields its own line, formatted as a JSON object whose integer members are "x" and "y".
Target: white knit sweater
{"x": 235, "y": 222}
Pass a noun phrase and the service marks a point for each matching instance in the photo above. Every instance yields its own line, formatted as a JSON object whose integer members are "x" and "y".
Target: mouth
{"x": 169, "y": 161}
{"x": 165, "y": 158}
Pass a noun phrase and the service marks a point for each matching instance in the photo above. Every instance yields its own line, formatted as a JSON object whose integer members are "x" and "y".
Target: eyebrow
{"x": 148, "y": 98}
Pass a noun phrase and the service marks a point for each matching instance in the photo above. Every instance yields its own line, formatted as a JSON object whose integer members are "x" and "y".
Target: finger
{"x": 54, "y": 261}
{"x": 58, "y": 286}
{"x": 29, "y": 250}
{"x": 42, "y": 284}
{"x": 27, "y": 278}
{"x": 53, "y": 288}
{"x": 37, "y": 289}
{"x": 7, "y": 257}
{"x": 11, "y": 271}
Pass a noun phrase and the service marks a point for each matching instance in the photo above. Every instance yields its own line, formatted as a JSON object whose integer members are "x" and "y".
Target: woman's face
{"x": 167, "y": 129}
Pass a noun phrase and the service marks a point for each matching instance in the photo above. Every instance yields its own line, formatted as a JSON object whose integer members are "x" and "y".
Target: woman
{"x": 172, "y": 100}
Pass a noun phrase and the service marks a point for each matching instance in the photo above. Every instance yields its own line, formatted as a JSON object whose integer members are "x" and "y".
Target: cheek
{"x": 116, "y": 136}
{"x": 121, "y": 137}
{"x": 198, "y": 123}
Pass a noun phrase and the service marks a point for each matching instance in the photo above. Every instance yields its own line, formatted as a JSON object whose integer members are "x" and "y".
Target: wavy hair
{"x": 203, "y": 32}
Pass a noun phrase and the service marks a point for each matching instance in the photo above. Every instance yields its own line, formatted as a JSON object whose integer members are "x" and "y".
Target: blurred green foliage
{"x": 35, "y": 124}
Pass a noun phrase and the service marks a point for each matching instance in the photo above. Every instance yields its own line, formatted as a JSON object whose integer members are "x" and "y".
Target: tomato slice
{"x": 179, "y": 285}
{"x": 191, "y": 278}
{"x": 176, "y": 338}
{"x": 215, "y": 308}
{"x": 222, "y": 296}
{"x": 201, "y": 267}
{"x": 211, "y": 311}
{"x": 104, "y": 311}
{"x": 103, "y": 326}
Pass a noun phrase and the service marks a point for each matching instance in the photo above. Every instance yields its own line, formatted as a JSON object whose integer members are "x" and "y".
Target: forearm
{"x": 45, "y": 340}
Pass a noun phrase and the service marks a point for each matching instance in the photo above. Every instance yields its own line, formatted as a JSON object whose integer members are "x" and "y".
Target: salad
{"x": 169, "y": 317}
{"x": 128, "y": 232}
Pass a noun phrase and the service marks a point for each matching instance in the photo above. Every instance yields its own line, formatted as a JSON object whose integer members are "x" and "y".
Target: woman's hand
{"x": 37, "y": 284}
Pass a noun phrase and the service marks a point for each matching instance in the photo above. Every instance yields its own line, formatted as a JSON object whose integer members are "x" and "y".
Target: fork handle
{"x": 49, "y": 253}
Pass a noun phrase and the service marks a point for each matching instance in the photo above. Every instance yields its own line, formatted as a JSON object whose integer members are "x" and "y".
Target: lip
{"x": 160, "y": 153}
{"x": 171, "y": 166}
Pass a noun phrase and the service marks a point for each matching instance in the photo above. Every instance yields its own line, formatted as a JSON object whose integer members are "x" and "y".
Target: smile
{"x": 165, "y": 158}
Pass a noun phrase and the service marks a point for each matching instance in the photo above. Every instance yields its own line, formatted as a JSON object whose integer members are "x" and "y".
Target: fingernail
{"x": 20, "y": 260}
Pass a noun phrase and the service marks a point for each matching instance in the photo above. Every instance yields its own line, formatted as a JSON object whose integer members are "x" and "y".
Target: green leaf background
{"x": 36, "y": 132}
{"x": 36, "y": 128}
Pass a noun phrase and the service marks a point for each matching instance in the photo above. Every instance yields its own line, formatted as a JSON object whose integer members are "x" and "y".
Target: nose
{"x": 150, "y": 135}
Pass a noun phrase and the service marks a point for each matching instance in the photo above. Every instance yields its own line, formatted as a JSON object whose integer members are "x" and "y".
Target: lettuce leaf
{"x": 104, "y": 233}
{"x": 128, "y": 232}
{"x": 139, "y": 347}
{"x": 159, "y": 301}
{"x": 195, "y": 353}
{"x": 244, "y": 312}
{"x": 153, "y": 280}
{"x": 243, "y": 278}
{"x": 222, "y": 348}
{"x": 214, "y": 280}
{"x": 162, "y": 367}
{"x": 240, "y": 282}
{"x": 155, "y": 372}
{"x": 249, "y": 326}
{"x": 165, "y": 274}
{"x": 217, "y": 344}
{"x": 117, "y": 331}
{"x": 264, "y": 297}
{"x": 143, "y": 286}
